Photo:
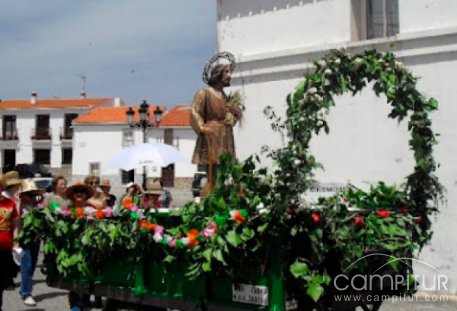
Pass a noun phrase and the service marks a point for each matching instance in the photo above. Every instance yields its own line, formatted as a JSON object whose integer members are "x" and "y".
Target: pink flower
{"x": 108, "y": 211}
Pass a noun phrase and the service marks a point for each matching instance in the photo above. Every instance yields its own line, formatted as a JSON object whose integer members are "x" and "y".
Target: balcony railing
{"x": 9, "y": 136}
{"x": 41, "y": 133}
{"x": 66, "y": 133}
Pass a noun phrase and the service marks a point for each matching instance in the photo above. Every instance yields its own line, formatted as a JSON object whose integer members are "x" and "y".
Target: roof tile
{"x": 111, "y": 114}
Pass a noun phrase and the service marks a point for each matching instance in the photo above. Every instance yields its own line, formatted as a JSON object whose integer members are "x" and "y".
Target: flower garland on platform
{"x": 193, "y": 238}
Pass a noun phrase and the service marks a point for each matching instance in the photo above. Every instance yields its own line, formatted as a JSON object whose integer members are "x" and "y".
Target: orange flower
{"x": 239, "y": 219}
{"x": 127, "y": 203}
{"x": 151, "y": 227}
{"x": 80, "y": 211}
{"x": 99, "y": 214}
{"x": 192, "y": 235}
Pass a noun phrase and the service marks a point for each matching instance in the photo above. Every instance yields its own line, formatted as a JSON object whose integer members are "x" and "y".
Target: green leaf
{"x": 298, "y": 269}
{"x": 207, "y": 254}
{"x": 219, "y": 257}
{"x": 233, "y": 238}
{"x": 315, "y": 291}
{"x": 206, "y": 266}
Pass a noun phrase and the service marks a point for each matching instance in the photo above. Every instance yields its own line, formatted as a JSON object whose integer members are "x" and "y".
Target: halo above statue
{"x": 216, "y": 60}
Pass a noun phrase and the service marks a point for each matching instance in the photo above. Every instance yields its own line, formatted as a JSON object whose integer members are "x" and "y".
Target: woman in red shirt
{"x": 9, "y": 218}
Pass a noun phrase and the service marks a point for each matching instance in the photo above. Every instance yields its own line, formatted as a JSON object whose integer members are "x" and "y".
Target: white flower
{"x": 322, "y": 63}
{"x": 328, "y": 71}
{"x": 399, "y": 64}
{"x": 297, "y": 162}
{"x": 358, "y": 61}
{"x": 337, "y": 61}
{"x": 157, "y": 237}
{"x": 260, "y": 206}
{"x": 312, "y": 90}
{"x": 263, "y": 211}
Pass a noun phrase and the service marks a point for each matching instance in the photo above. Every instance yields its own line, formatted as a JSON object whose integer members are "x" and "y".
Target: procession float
{"x": 254, "y": 242}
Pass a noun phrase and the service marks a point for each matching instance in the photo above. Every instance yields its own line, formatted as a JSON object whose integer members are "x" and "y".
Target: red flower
{"x": 358, "y": 221}
{"x": 383, "y": 213}
{"x": 419, "y": 219}
{"x": 316, "y": 217}
{"x": 238, "y": 217}
{"x": 404, "y": 210}
{"x": 100, "y": 214}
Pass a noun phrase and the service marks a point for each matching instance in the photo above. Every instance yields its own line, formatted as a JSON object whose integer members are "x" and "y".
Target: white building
{"x": 39, "y": 130}
{"x": 275, "y": 42}
{"x": 102, "y": 132}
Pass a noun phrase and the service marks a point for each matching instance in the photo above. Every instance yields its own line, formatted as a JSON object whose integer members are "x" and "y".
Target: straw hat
{"x": 80, "y": 185}
{"x": 11, "y": 178}
{"x": 153, "y": 187}
{"x": 29, "y": 186}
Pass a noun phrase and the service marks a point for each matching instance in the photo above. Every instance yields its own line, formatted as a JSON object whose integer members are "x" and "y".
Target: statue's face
{"x": 226, "y": 76}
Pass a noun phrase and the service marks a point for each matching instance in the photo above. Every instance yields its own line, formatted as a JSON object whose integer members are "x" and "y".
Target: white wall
{"x": 258, "y": 26}
{"x": 364, "y": 146}
{"x": 419, "y": 15}
{"x": 26, "y": 123}
{"x": 187, "y": 139}
{"x": 99, "y": 143}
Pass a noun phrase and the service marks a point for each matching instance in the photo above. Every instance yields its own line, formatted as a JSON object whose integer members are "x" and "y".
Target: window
{"x": 68, "y": 129}
{"x": 168, "y": 136}
{"x": 94, "y": 169}
{"x": 42, "y": 156}
{"x": 374, "y": 19}
{"x": 127, "y": 138}
{"x": 382, "y": 18}
{"x": 42, "y": 130}
{"x": 67, "y": 155}
{"x": 127, "y": 176}
{"x": 9, "y": 128}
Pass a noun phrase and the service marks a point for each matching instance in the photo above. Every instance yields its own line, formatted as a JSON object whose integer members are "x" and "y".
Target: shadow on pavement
{"x": 45, "y": 296}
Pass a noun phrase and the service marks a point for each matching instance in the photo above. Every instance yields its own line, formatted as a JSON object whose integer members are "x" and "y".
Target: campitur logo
{"x": 385, "y": 278}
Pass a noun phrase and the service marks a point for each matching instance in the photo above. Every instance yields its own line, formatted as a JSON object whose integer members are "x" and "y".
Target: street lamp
{"x": 144, "y": 124}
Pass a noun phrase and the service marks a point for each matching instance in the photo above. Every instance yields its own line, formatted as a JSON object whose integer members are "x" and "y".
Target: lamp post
{"x": 144, "y": 124}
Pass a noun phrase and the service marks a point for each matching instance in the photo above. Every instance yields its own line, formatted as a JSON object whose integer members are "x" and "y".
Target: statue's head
{"x": 220, "y": 73}
{"x": 219, "y": 69}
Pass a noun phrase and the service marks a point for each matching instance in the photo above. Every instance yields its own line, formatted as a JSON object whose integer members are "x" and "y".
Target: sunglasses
{"x": 80, "y": 191}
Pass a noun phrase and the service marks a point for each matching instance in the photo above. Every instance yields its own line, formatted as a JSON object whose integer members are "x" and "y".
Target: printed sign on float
{"x": 253, "y": 294}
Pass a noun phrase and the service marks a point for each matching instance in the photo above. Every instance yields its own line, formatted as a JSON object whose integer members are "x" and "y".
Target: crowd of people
{"x": 18, "y": 196}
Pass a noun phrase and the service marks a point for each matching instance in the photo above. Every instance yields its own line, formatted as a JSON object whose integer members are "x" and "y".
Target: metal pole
{"x": 144, "y": 167}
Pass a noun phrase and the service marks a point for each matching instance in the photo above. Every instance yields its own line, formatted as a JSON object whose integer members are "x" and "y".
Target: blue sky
{"x": 133, "y": 49}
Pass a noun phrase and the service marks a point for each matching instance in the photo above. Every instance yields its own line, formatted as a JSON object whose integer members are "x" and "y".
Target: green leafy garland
{"x": 339, "y": 72}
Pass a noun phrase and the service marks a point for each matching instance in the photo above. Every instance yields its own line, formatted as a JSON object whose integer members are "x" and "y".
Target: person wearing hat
{"x": 132, "y": 192}
{"x": 29, "y": 196}
{"x": 155, "y": 196}
{"x": 79, "y": 193}
{"x": 213, "y": 115}
{"x": 9, "y": 218}
{"x": 12, "y": 184}
{"x": 105, "y": 185}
